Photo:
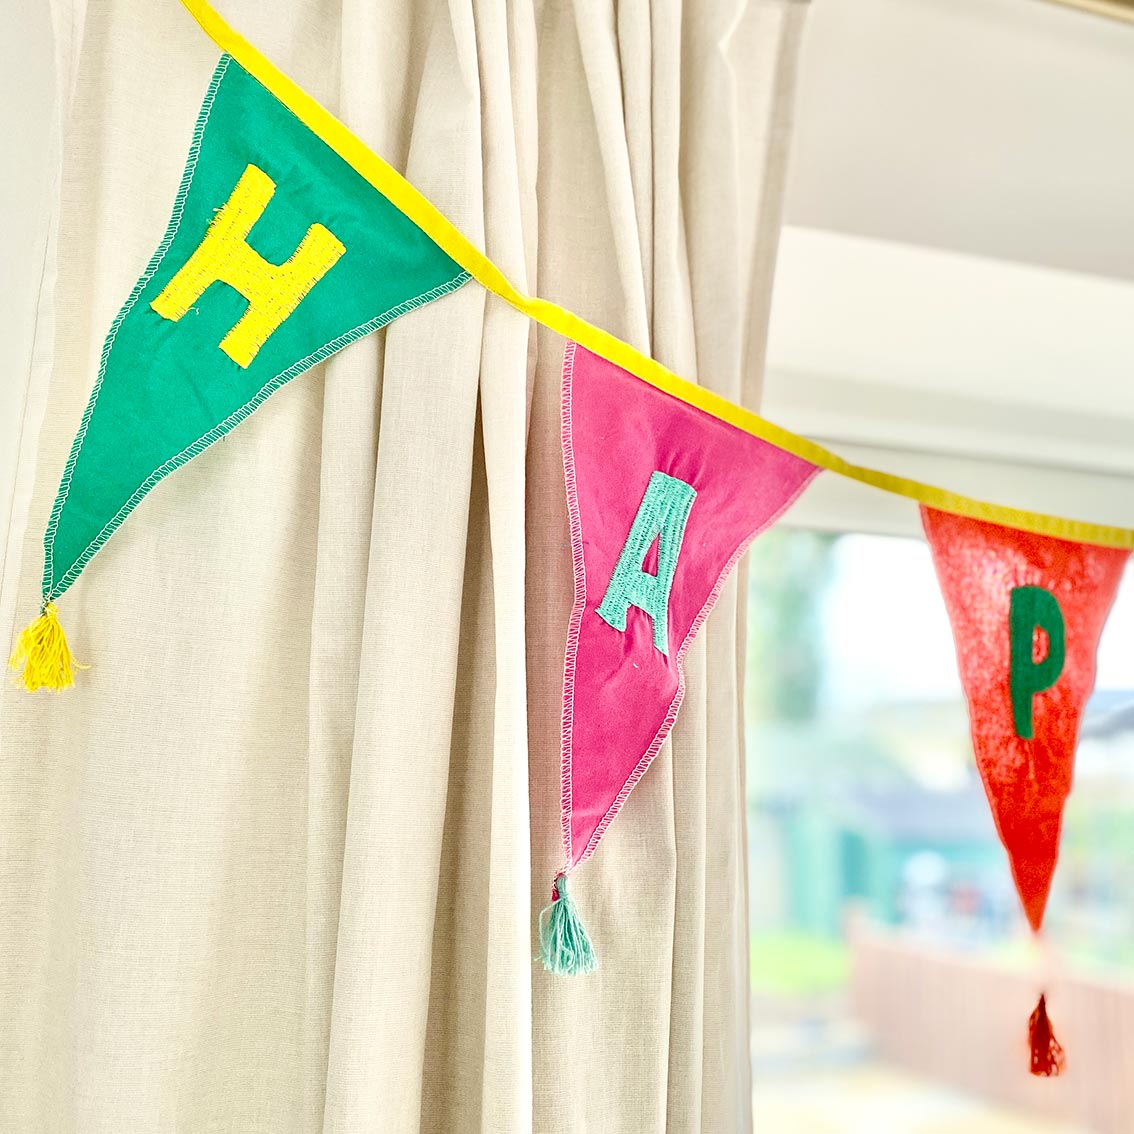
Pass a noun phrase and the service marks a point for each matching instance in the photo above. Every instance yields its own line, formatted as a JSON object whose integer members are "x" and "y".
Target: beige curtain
{"x": 274, "y": 865}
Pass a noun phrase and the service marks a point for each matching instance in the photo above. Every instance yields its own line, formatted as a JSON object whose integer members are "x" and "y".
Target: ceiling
{"x": 954, "y": 294}
{"x": 1000, "y": 128}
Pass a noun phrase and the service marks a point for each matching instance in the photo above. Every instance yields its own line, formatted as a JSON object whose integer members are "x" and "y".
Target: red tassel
{"x": 1047, "y": 1052}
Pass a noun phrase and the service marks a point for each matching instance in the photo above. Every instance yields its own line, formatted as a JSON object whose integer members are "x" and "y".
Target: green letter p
{"x": 1032, "y": 608}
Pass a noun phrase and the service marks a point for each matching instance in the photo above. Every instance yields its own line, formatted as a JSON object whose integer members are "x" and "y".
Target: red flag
{"x": 1027, "y": 611}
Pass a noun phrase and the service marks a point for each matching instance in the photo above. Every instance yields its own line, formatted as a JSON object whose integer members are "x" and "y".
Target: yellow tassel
{"x": 43, "y": 655}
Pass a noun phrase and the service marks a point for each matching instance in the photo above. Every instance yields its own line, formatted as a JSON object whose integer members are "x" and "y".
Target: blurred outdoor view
{"x": 892, "y": 972}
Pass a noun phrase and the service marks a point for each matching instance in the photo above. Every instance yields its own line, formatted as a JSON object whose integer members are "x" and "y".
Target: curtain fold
{"x": 275, "y": 864}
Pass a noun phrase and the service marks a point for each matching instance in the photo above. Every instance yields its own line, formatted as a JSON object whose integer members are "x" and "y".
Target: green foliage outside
{"x": 803, "y": 766}
{"x": 788, "y": 570}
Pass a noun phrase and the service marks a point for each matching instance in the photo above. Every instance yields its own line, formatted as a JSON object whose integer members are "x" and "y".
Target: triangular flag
{"x": 278, "y": 254}
{"x": 664, "y": 498}
{"x": 1027, "y": 611}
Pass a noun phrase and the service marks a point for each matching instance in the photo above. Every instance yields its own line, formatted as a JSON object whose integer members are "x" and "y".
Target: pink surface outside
{"x": 620, "y": 694}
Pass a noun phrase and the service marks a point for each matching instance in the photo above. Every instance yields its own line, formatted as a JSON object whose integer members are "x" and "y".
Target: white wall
{"x": 997, "y": 128}
{"x": 954, "y": 295}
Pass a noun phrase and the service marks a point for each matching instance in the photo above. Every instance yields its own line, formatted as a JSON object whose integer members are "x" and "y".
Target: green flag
{"x": 278, "y": 254}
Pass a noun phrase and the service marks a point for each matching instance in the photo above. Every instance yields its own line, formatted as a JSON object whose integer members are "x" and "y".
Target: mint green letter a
{"x": 662, "y": 515}
{"x": 1029, "y": 608}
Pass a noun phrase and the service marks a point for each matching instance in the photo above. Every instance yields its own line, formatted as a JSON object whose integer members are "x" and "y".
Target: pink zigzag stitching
{"x": 577, "y": 620}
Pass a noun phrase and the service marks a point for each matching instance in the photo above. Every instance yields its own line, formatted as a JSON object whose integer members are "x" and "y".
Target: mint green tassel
{"x": 564, "y": 946}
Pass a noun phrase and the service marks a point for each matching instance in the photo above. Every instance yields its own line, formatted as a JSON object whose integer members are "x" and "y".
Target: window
{"x": 892, "y": 970}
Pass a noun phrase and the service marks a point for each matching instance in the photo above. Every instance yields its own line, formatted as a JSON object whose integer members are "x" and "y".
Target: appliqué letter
{"x": 273, "y": 291}
{"x": 1032, "y": 609}
{"x": 662, "y": 515}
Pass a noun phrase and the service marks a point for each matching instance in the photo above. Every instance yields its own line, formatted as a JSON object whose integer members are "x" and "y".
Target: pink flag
{"x": 664, "y": 499}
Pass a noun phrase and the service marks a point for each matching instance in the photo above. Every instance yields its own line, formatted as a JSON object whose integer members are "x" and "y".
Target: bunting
{"x": 289, "y": 239}
{"x": 663, "y": 500}
{"x": 1027, "y": 611}
{"x": 278, "y": 254}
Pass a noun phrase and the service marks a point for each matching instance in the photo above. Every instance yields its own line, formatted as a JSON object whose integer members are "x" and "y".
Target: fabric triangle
{"x": 278, "y": 254}
{"x": 663, "y": 498}
{"x": 1027, "y": 611}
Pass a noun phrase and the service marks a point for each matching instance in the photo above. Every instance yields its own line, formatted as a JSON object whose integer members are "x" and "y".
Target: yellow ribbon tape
{"x": 405, "y": 197}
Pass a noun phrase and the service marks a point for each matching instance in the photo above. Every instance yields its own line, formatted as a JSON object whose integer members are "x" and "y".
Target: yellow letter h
{"x": 273, "y": 291}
